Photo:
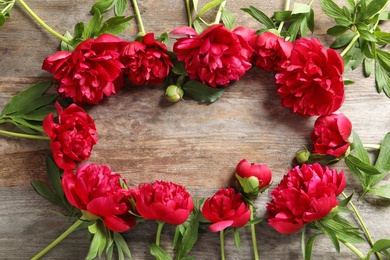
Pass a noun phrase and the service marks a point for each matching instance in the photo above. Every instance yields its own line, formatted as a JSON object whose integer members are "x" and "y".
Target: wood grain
{"x": 145, "y": 138}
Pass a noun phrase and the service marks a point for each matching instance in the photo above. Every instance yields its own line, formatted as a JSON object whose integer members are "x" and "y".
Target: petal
{"x": 117, "y": 224}
{"x": 221, "y": 225}
{"x": 185, "y": 30}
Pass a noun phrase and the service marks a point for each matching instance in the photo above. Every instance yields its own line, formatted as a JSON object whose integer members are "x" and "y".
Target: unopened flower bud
{"x": 174, "y": 93}
{"x": 302, "y": 156}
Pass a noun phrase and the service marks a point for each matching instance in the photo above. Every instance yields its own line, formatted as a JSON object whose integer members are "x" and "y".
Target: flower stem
{"x": 359, "y": 217}
{"x": 372, "y": 146}
{"x": 42, "y": 23}
{"x": 222, "y": 240}
{"x": 253, "y": 233}
{"x": 139, "y": 19}
{"x": 219, "y": 13}
{"x": 355, "y": 250}
{"x": 286, "y": 7}
{"x": 159, "y": 229}
{"x": 188, "y": 8}
{"x": 352, "y": 42}
{"x": 59, "y": 239}
{"x": 39, "y": 137}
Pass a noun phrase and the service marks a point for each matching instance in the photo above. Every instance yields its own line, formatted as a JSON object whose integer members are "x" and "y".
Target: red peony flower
{"x": 226, "y": 209}
{"x": 98, "y": 193}
{"x": 72, "y": 138}
{"x": 330, "y": 135}
{"x": 258, "y": 176}
{"x": 146, "y": 62}
{"x": 164, "y": 201}
{"x": 216, "y": 56}
{"x": 89, "y": 73}
{"x": 270, "y": 51}
{"x": 304, "y": 195}
{"x": 311, "y": 82}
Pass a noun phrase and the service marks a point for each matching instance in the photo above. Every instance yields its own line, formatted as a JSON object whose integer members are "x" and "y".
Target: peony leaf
{"x": 383, "y": 161}
{"x": 19, "y": 101}
{"x": 308, "y": 248}
{"x": 228, "y": 18}
{"x": 367, "y": 65}
{"x": 237, "y": 239}
{"x": 337, "y": 30}
{"x": 343, "y": 40}
{"x": 381, "y": 191}
{"x": 158, "y": 252}
{"x": 300, "y": 8}
{"x": 201, "y": 92}
{"x": 209, "y": 6}
{"x": 121, "y": 245}
{"x": 334, "y": 11}
{"x": 357, "y": 147}
{"x": 120, "y": 7}
{"x": 380, "y": 246}
{"x": 364, "y": 167}
{"x": 116, "y": 25}
{"x": 94, "y": 25}
{"x": 382, "y": 79}
{"x": 282, "y": 16}
{"x": 103, "y": 6}
{"x": 98, "y": 242}
{"x": 54, "y": 177}
{"x": 43, "y": 190}
{"x": 373, "y": 8}
{"x": 260, "y": 17}
{"x": 187, "y": 234}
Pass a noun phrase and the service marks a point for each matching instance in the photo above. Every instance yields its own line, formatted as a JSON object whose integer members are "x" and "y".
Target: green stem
{"x": 188, "y": 8}
{"x": 359, "y": 217}
{"x": 286, "y": 7}
{"x": 372, "y": 146}
{"x": 253, "y": 233}
{"x": 219, "y": 13}
{"x": 159, "y": 229}
{"x": 139, "y": 19}
{"x": 59, "y": 239}
{"x": 355, "y": 250}
{"x": 13, "y": 134}
{"x": 352, "y": 42}
{"x": 222, "y": 240}
{"x": 42, "y": 23}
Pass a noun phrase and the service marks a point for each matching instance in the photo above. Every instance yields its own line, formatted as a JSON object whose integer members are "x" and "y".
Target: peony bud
{"x": 302, "y": 156}
{"x": 174, "y": 93}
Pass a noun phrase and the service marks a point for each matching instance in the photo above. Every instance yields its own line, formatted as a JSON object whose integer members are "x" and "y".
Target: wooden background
{"x": 145, "y": 138}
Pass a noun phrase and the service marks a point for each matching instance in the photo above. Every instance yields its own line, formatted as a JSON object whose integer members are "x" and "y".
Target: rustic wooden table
{"x": 145, "y": 138}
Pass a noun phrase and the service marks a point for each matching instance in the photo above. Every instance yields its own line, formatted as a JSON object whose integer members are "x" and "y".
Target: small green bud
{"x": 302, "y": 156}
{"x": 174, "y": 93}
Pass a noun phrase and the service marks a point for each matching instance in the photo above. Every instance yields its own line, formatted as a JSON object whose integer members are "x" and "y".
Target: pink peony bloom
{"x": 216, "y": 56}
{"x": 311, "y": 82}
{"x": 330, "y": 135}
{"x": 304, "y": 195}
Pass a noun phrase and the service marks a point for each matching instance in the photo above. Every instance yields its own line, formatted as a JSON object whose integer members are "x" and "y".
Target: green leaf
{"x": 228, "y": 18}
{"x": 189, "y": 231}
{"x": 120, "y": 7}
{"x": 383, "y": 38}
{"x": 43, "y": 190}
{"x": 383, "y": 57}
{"x": 382, "y": 79}
{"x": 383, "y": 161}
{"x": 367, "y": 66}
{"x": 310, "y": 20}
{"x": 294, "y": 28}
{"x": 309, "y": 246}
{"x": 358, "y": 148}
{"x": 98, "y": 242}
{"x": 201, "y": 92}
{"x": 337, "y": 30}
{"x": 260, "y": 17}
{"x": 210, "y": 5}
{"x": 237, "y": 239}
{"x": 116, "y": 25}
{"x": 20, "y": 100}
{"x": 93, "y": 27}
{"x": 382, "y": 191}
{"x": 122, "y": 245}
{"x": 102, "y": 6}
{"x": 334, "y": 11}
{"x": 299, "y": 8}
{"x": 367, "y": 35}
{"x": 282, "y": 16}
{"x": 40, "y": 113}
{"x": 158, "y": 252}
{"x": 343, "y": 40}
{"x": 373, "y": 8}
{"x": 53, "y": 174}
{"x": 198, "y": 28}
{"x": 34, "y": 125}
{"x": 364, "y": 167}
{"x": 379, "y": 246}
